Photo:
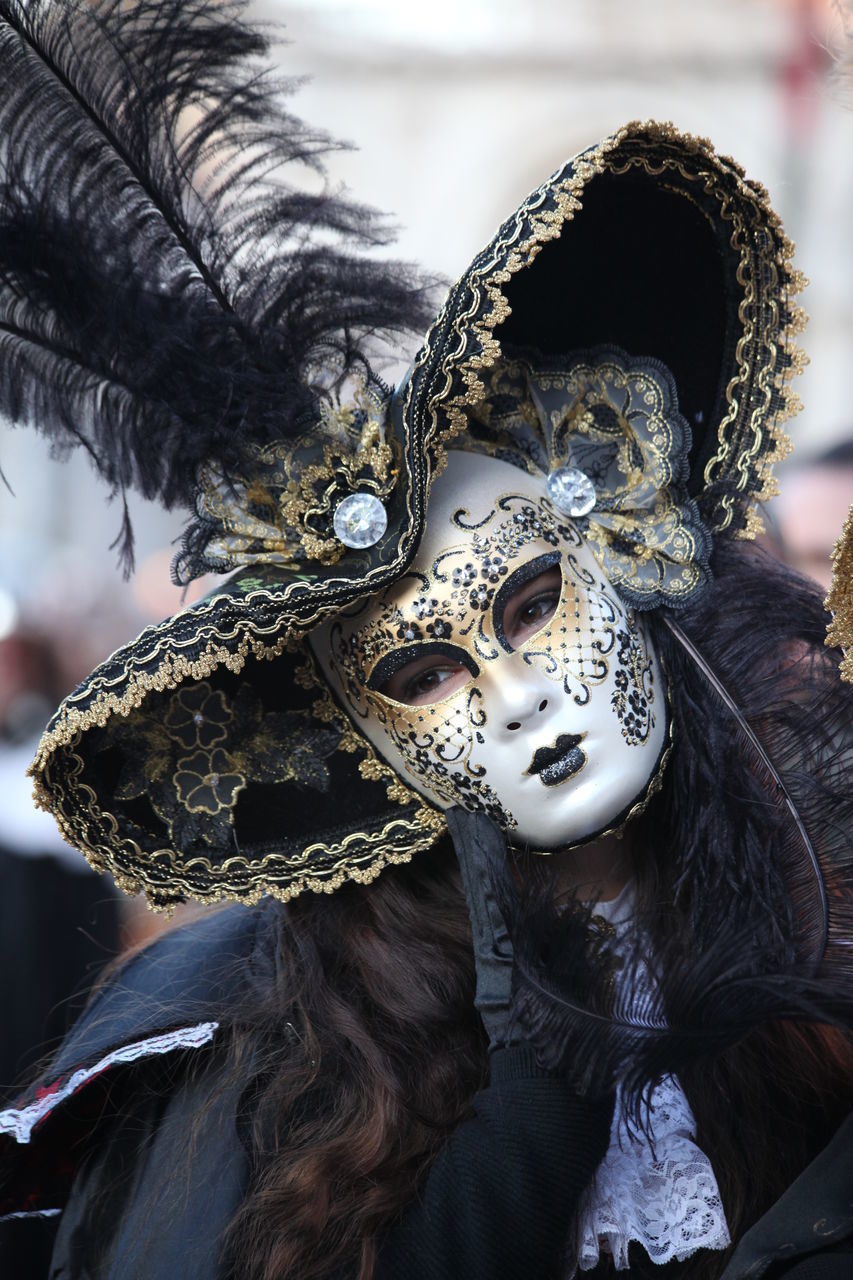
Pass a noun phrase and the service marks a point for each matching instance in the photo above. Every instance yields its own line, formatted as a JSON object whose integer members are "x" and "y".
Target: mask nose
{"x": 512, "y": 725}
{"x": 518, "y": 696}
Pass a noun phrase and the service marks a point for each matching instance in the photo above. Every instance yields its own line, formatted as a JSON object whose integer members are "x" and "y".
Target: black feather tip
{"x": 168, "y": 296}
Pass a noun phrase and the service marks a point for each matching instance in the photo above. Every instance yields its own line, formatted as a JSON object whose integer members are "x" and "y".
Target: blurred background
{"x": 458, "y": 108}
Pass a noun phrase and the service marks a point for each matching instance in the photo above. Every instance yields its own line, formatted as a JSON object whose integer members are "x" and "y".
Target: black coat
{"x": 139, "y": 1149}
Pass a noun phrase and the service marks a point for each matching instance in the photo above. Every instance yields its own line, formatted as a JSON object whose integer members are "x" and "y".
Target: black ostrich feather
{"x": 168, "y": 297}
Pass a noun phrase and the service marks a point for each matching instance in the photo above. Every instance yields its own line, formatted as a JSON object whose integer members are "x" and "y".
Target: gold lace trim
{"x": 511, "y": 255}
{"x": 840, "y": 598}
{"x": 771, "y": 378}
{"x": 171, "y": 671}
{"x": 360, "y": 856}
{"x": 284, "y": 515}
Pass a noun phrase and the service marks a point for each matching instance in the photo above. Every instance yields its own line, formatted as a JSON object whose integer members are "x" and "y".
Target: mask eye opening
{"x": 390, "y": 663}
{"x": 524, "y": 574}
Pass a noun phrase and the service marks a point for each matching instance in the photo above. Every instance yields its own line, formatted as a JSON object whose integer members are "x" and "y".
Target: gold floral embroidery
{"x": 191, "y": 754}
{"x": 208, "y": 782}
{"x": 197, "y": 716}
{"x": 283, "y": 513}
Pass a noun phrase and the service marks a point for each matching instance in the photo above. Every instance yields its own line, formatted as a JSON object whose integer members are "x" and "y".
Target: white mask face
{"x": 502, "y": 672}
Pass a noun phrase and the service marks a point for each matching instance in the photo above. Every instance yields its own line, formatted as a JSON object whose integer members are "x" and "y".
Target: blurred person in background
{"x": 59, "y": 922}
{"x": 804, "y": 521}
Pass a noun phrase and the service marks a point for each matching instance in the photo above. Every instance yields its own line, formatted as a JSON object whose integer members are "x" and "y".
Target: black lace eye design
{"x": 526, "y": 601}
{"x": 418, "y": 673}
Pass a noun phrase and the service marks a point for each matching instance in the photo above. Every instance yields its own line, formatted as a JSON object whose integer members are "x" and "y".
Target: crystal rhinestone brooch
{"x": 360, "y": 520}
{"x": 570, "y": 490}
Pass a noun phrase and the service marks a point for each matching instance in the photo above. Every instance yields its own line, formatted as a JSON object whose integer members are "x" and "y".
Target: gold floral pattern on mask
{"x": 174, "y": 760}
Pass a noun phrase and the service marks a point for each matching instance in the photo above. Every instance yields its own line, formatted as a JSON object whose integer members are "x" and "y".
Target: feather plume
{"x": 743, "y": 863}
{"x": 167, "y": 296}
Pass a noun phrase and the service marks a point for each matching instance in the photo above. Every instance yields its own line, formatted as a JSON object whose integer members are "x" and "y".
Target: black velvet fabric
{"x": 636, "y": 238}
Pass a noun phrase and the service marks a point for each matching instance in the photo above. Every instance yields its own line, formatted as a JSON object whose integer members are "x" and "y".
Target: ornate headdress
{"x": 167, "y": 306}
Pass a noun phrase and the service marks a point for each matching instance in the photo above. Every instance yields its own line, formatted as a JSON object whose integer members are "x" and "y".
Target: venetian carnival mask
{"x": 503, "y": 672}
{"x": 634, "y": 320}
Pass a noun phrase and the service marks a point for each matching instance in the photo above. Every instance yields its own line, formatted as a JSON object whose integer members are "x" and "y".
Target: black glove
{"x": 482, "y": 852}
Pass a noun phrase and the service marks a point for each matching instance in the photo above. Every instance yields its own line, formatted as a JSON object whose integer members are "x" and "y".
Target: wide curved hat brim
{"x": 653, "y": 243}
{"x": 207, "y": 760}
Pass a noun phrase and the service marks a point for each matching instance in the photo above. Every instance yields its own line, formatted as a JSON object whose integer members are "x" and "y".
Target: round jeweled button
{"x": 571, "y": 491}
{"x": 360, "y": 520}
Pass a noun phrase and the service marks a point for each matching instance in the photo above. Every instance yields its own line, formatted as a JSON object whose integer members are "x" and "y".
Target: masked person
{"x": 526, "y": 781}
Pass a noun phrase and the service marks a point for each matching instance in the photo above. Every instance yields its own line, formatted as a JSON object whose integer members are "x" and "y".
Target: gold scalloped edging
{"x": 103, "y": 857}
{"x": 428, "y": 822}
{"x": 172, "y": 671}
{"x": 545, "y": 225}
{"x": 840, "y": 598}
{"x": 753, "y": 472}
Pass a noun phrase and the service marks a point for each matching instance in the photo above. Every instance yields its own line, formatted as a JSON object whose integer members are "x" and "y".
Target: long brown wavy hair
{"x": 373, "y": 1053}
{"x": 364, "y": 1048}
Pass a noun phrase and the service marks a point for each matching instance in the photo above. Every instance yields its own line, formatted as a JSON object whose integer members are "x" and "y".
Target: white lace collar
{"x": 662, "y": 1195}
